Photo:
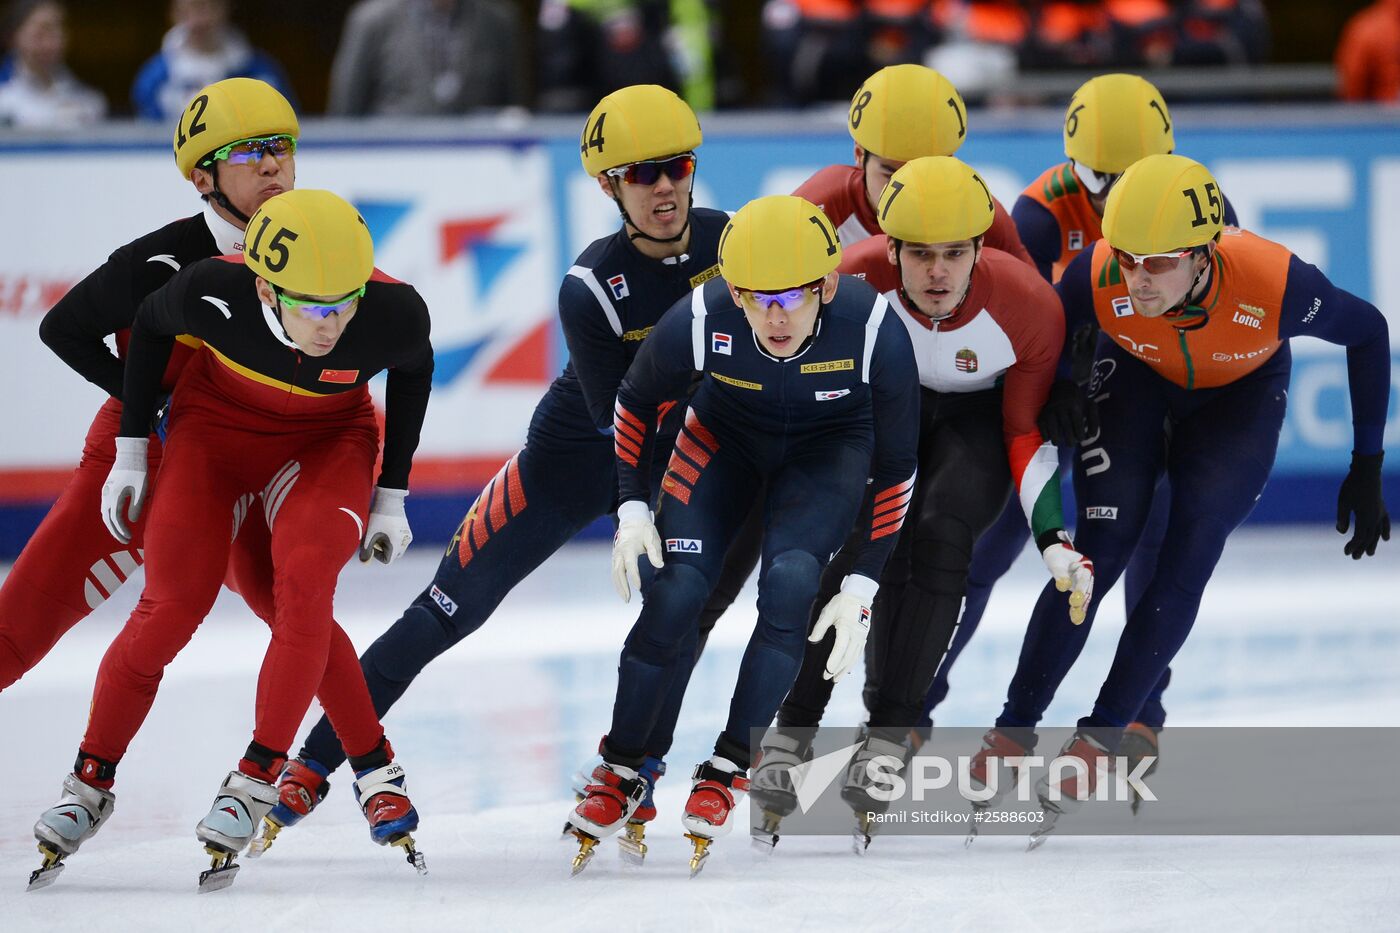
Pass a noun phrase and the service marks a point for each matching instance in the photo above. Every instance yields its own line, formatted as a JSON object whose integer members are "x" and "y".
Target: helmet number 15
{"x": 276, "y": 249}
{"x": 1212, "y": 199}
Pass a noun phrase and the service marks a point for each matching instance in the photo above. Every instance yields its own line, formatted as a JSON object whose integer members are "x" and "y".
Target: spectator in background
{"x": 590, "y": 48}
{"x": 819, "y": 50}
{"x": 1368, "y": 56}
{"x": 201, "y": 48}
{"x": 426, "y": 57}
{"x": 36, "y": 88}
{"x": 1223, "y": 32}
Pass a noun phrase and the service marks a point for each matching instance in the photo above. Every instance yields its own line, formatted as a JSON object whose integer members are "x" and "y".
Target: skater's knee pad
{"x": 786, "y": 592}
{"x": 670, "y": 613}
{"x": 941, "y": 553}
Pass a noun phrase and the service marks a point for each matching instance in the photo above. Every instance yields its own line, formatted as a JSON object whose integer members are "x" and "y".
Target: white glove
{"x": 635, "y": 534}
{"x": 849, "y": 612}
{"x": 125, "y": 488}
{"x": 387, "y": 535}
{"x": 1072, "y": 572}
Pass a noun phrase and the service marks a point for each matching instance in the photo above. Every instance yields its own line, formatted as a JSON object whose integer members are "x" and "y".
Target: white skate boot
{"x": 230, "y": 824}
{"x": 76, "y": 818}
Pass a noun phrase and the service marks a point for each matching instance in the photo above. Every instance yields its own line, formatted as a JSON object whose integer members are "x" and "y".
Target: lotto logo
{"x": 1239, "y": 317}
{"x": 1122, "y": 307}
{"x": 445, "y": 602}
{"x": 721, "y": 343}
{"x": 1109, "y": 512}
{"x": 618, "y": 284}
{"x": 684, "y": 545}
{"x": 831, "y": 394}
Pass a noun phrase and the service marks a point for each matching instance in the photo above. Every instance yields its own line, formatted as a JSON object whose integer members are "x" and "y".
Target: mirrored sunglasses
{"x": 649, "y": 173}
{"x": 1154, "y": 263}
{"x": 788, "y": 300}
{"x": 243, "y": 151}
{"x": 1095, "y": 182}
{"x": 319, "y": 310}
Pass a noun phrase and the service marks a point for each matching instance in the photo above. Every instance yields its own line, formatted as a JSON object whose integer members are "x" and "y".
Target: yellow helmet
{"x": 1114, "y": 120}
{"x": 227, "y": 111}
{"x": 778, "y": 242}
{"x": 310, "y": 242}
{"x": 936, "y": 199}
{"x": 1163, "y": 203}
{"x": 906, "y": 112}
{"x": 634, "y": 124}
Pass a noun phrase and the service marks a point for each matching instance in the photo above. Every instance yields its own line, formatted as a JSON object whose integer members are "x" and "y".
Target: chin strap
{"x": 221, "y": 199}
{"x": 1184, "y": 307}
{"x": 908, "y": 300}
{"x": 638, "y": 234}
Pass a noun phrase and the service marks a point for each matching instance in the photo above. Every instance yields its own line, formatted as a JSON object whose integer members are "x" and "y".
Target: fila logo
{"x": 618, "y": 284}
{"x": 722, "y": 343}
{"x": 1122, "y": 307}
{"x": 684, "y": 545}
{"x": 832, "y": 394}
{"x": 1109, "y": 512}
{"x": 1076, "y": 239}
{"x": 220, "y": 304}
{"x": 1239, "y": 317}
{"x": 445, "y": 602}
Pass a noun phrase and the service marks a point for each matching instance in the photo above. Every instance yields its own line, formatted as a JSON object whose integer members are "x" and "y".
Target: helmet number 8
{"x": 275, "y": 248}
{"x": 1212, "y": 199}
{"x": 197, "y": 125}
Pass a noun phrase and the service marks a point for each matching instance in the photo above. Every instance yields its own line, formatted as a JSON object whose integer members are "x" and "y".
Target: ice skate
{"x": 300, "y": 788}
{"x": 631, "y": 844}
{"x": 383, "y": 796}
{"x": 1139, "y": 742}
{"x": 989, "y": 775}
{"x": 1071, "y": 788}
{"x": 716, "y": 787}
{"x": 62, "y": 828}
{"x": 879, "y": 754}
{"x": 609, "y": 801}
{"x": 230, "y": 824}
{"x": 772, "y": 788}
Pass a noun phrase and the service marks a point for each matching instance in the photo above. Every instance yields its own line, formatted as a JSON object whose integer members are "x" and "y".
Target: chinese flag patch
{"x": 342, "y": 376}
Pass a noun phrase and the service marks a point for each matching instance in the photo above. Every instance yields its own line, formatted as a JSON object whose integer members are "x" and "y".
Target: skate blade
{"x": 631, "y": 845}
{"x": 702, "y": 852}
{"x": 765, "y": 837}
{"x": 411, "y": 853}
{"x": 971, "y": 836}
{"x": 586, "y": 844}
{"x": 1042, "y": 835}
{"x": 264, "y": 841}
{"x": 47, "y": 873}
{"x": 223, "y": 869}
{"x": 860, "y": 836}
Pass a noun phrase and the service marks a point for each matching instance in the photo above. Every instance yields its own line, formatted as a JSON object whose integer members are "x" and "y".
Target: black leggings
{"x": 962, "y": 486}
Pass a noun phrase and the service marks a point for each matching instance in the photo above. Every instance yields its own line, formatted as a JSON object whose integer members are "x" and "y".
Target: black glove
{"x": 1070, "y": 416}
{"x": 1361, "y": 493}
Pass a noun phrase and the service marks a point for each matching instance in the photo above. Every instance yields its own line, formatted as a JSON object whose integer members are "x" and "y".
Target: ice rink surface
{"x": 1290, "y": 633}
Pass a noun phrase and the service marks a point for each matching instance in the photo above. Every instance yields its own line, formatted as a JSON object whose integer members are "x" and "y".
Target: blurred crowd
{"x": 434, "y": 57}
